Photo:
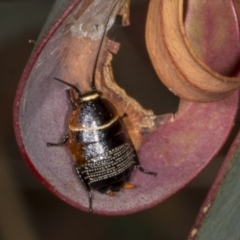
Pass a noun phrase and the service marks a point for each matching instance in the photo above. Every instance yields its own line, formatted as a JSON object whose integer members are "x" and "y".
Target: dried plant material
{"x": 175, "y": 61}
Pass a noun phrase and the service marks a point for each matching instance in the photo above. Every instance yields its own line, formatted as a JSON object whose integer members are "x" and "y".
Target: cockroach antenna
{"x": 100, "y": 47}
{"x": 70, "y": 85}
{"x": 96, "y": 61}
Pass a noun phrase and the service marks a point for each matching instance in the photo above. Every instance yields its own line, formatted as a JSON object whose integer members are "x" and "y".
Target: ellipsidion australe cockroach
{"x": 102, "y": 150}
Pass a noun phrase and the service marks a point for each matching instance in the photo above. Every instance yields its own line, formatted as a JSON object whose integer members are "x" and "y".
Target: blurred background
{"x": 27, "y": 210}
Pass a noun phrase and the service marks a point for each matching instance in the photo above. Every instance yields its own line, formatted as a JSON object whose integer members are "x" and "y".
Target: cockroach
{"x": 100, "y": 145}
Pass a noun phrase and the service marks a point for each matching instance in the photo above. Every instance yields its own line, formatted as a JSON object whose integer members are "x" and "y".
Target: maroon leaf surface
{"x": 177, "y": 146}
{"x": 213, "y": 29}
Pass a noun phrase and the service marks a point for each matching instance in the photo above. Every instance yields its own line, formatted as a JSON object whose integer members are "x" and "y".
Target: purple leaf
{"x": 177, "y": 146}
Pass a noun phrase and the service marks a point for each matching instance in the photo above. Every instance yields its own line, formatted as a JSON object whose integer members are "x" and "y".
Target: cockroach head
{"x": 79, "y": 97}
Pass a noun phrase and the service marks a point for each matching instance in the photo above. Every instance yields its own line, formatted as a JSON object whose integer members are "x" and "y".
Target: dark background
{"x": 27, "y": 210}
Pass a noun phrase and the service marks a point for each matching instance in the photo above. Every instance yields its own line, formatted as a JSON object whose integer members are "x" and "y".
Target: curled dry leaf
{"x": 177, "y": 146}
{"x": 185, "y": 67}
